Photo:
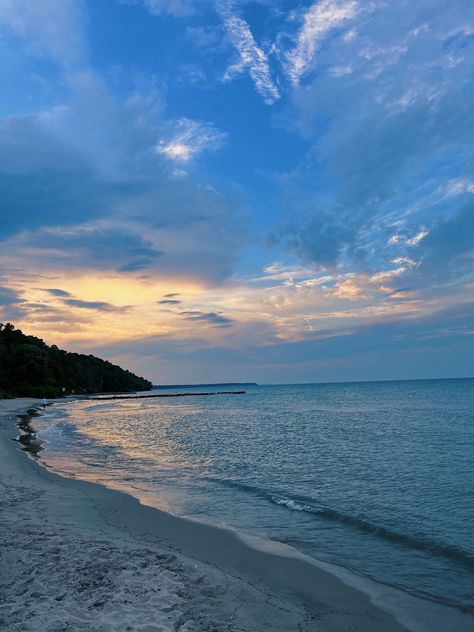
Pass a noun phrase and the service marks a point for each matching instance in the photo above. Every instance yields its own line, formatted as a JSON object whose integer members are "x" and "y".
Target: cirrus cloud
{"x": 188, "y": 139}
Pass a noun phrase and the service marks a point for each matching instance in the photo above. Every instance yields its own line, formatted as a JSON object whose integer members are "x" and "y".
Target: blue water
{"x": 375, "y": 477}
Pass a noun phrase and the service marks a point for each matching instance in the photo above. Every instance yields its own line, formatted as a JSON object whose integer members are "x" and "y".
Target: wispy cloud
{"x": 188, "y": 139}
{"x": 57, "y": 292}
{"x": 211, "y": 318}
{"x": 251, "y": 56}
{"x": 96, "y": 305}
{"x": 415, "y": 240}
{"x": 318, "y": 21}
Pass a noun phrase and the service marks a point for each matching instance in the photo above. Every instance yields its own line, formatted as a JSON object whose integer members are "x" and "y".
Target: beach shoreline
{"x": 150, "y": 570}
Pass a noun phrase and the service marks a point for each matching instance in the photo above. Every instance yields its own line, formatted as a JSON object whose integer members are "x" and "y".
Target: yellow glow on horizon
{"x": 122, "y": 290}
{"x": 135, "y": 311}
{"x": 258, "y": 314}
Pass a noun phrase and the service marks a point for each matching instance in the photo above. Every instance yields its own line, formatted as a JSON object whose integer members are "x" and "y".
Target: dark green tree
{"x": 29, "y": 367}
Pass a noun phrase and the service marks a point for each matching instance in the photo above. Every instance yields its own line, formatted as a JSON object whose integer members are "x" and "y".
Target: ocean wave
{"x": 292, "y": 504}
{"x": 58, "y": 433}
{"x": 53, "y": 412}
{"x": 426, "y": 544}
{"x": 318, "y": 510}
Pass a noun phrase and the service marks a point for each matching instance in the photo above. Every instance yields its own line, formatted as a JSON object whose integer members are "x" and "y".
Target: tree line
{"x": 31, "y": 368}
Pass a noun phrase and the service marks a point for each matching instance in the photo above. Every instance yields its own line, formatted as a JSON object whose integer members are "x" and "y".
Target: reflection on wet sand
{"x": 29, "y": 440}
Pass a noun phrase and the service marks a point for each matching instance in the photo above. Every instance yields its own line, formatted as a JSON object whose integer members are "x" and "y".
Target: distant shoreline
{"x": 322, "y": 383}
{"x": 373, "y": 381}
{"x": 208, "y": 385}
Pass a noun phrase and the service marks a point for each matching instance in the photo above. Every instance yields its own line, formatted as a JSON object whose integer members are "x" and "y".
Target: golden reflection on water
{"x": 113, "y": 425}
{"x": 105, "y": 432}
{"x": 108, "y": 427}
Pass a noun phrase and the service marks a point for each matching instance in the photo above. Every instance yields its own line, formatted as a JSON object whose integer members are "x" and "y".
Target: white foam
{"x": 54, "y": 434}
{"x": 291, "y": 504}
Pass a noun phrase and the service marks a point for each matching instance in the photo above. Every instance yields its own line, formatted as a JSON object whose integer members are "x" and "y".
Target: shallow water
{"x": 375, "y": 477}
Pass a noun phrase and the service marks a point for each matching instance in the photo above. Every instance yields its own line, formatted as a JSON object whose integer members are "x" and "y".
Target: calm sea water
{"x": 375, "y": 477}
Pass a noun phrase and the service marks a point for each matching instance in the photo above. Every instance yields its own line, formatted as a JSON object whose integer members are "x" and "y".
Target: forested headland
{"x": 31, "y": 368}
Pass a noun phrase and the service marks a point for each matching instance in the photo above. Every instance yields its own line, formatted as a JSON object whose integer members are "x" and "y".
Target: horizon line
{"x": 410, "y": 379}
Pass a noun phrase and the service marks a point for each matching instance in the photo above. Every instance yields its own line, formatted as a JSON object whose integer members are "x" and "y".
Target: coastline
{"x": 105, "y": 562}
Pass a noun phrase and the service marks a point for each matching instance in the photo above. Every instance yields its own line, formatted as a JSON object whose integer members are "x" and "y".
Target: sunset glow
{"x": 241, "y": 185}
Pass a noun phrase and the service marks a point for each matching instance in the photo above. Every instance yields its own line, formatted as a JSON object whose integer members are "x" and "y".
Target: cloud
{"x": 205, "y": 37}
{"x": 211, "y": 318}
{"x": 188, "y": 139}
{"x": 50, "y": 28}
{"x": 11, "y": 305}
{"x": 42, "y": 179}
{"x": 448, "y": 250}
{"x": 136, "y": 265}
{"x": 389, "y": 147}
{"x": 429, "y": 345}
{"x": 459, "y": 186}
{"x": 81, "y": 185}
{"x": 9, "y": 297}
{"x": 318, "y": 21}
{"x": 101, "y": 306}
{"x": 251, "y": 57}
{"x": 57, "y": 292}
{"x": 178, "y": 8}
{"x": 415, "y": 240}
{"x": 88, "y": 246}
{"x": 374, "y": 127}
{"x": 321, "y": 240}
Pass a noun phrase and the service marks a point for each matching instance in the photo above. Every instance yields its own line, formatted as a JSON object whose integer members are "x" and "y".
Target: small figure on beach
{"x": 44, "y": 403}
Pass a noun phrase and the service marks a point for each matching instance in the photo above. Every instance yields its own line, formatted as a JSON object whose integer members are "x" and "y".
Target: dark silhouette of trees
{"x": 30, "y": 368}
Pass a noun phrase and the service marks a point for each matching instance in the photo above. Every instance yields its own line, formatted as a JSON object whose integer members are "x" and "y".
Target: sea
{"x": 375, "y": 479}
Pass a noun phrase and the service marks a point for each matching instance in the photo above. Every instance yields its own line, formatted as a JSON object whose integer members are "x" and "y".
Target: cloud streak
{"x": 210, "y": 318}
{"x": 318, "y": 21}
{"x": 251, "y": 57}
{"x": 9, "y": 296}
{"x": 101, "y": 306}
{"x": 57, "y": 292}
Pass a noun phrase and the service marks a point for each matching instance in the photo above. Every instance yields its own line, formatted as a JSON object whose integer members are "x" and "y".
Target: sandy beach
{"x": 78, "y": 556}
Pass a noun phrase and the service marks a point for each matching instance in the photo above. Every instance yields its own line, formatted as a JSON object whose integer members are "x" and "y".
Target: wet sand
{"x": 77, "y": 556}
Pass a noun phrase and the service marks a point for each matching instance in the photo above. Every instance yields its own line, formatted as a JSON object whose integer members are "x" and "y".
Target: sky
{"x": 236, "y": 190}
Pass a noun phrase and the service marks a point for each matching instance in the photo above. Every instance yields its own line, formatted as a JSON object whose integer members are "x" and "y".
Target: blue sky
{"x": 241, "y": 190}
